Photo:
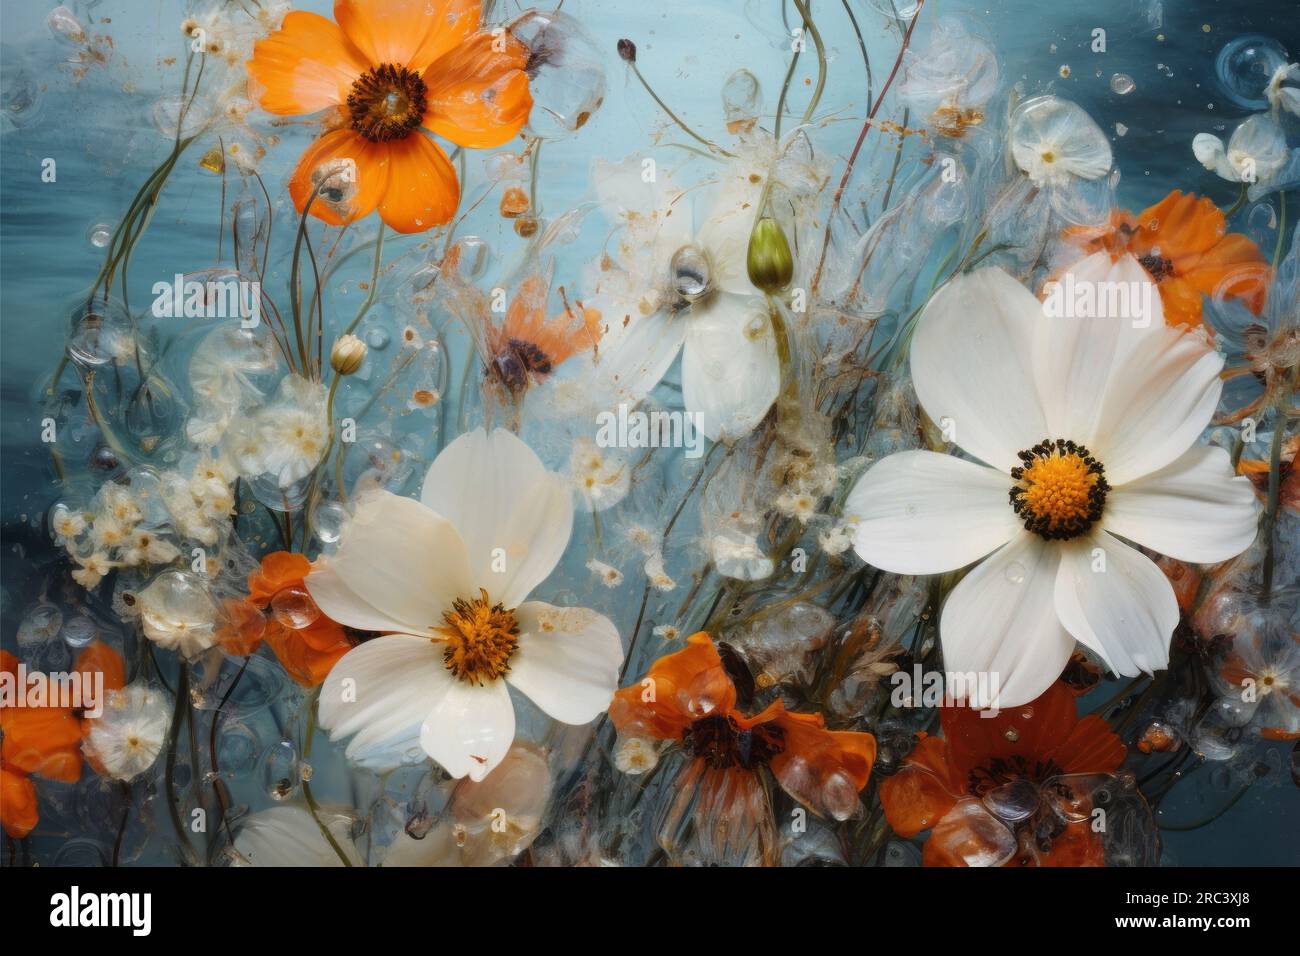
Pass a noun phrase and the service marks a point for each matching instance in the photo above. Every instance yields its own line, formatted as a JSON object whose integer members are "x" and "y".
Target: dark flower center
{"x": 387, "y": 103}
{"x": 1159, "y": 268}
{"x": 518, "y": 363}
{"x": 1060, "y": 489}
{"x": 722, "y": 743}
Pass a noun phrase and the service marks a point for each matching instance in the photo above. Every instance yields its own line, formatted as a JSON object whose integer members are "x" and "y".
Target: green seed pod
{"x": 769, "y": 260}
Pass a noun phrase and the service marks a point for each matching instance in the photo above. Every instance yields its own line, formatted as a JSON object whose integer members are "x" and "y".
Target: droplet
{"x": 472, "y": 256}
{"x": 689, "y": 270}
{"x": 41, "y": 625}
{"x": 100, "y": 235}
{"x": 294, "y": 608}
{"x": 79, "y": 631}
{"x": 1015, "y": 572}
{"x": 1120, "y": 129}
{"x": 63, "y": 23}
{"x": 280, "y": 770}
{"x": 1122, "y": 84}
{"x": 1012, "y": 734}
{"x": 327, "y": 521}
{"x": 378, "y": 339}
{"x": 741, "y": 101}
{"x": 1244, "y": 67}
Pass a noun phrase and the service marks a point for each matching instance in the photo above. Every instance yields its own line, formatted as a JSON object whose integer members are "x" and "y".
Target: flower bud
{"x": 769, "y": 261}
{"x": 627, "y": 50}
{"x": 347, "y": 354}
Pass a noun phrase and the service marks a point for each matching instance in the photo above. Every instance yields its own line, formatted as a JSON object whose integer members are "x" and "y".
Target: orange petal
{"x": 422, "y": 190}
{"x": 668, "y": 699}
{"x": 478, "y": 97}
{"x": 279, "y": 570}
{"x": 18, "y": 806}
{"x": 1234, "y": 268}
{"x": 1026, "y": 732}
{"x": 98, "y": 657}
{"x": 42, "y": 740}
{"x": 306, "y": 66}
{"x": 242, "y": 630}
{"x": 1181, "y": 302}
{"x": 1179, "y": 225}
{"x": 372, "y": 175}
{"x": 1076, "y": 846}
{"x": 1091, "y": 747}
{"x": 817, "y": 764}
{"x": 411, "y": 33}
{"x": 920, "y": 794}
{"x": 301, "y": 661}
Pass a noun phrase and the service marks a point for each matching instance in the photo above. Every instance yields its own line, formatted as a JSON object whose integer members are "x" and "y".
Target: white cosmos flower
{"x": 1282, "y": 97}
{"x": 986, "y": 356}
{"x": 127, "y": 738}
{"x": 289, "y": 836}
{"x": 1255, "y": 154}
{"x": 679, "y": 287}
{"x": 447, "y": 577}
{"x": 1054, "y": 141}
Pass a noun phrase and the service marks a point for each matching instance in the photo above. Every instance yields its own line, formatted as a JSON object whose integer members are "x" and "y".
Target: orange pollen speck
{"x": 1060, "y": 489}
{"x": 481, "y": 637}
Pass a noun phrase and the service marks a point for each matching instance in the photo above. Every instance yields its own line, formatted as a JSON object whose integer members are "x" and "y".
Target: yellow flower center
{"x": 1060, "y": 490}
{"x": 387, "y": 103}
{"x": 481, "y": 637}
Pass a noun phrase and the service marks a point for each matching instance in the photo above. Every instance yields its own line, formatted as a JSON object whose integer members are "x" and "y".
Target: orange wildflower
{"x": 1015, "y": 756}
{"x": 1184, "y": 244}
{"x": 391, "y": 69}
{"x": 307, "y": 654}
{"x": 46, "y": 740}
{"x": 1257, "y": 470}
{"x": 687, "y": 697}
{"x": 527, "y": 346}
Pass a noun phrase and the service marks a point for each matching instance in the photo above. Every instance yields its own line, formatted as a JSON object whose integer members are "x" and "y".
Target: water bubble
{"x": 566, "y": 72}
{"x": 1015, "y": 572}
{"x": 63, "y": 23}
{"x": 378, "y": 339}
{"x": 689, "y": 270}
{"x": 1122, "y": 84}
{"x": 294, "y": 608}
{"x": 100, "y": 235}
{"x": 101, "y": 334}
{"x": 79, "y": 631}
{"x": 1120, "y": 129}
{"x": 171, "y": 111}
{"x": 41, "y": 625}
{"x": 327, "y": 520}
{"x": 281, "y": 774}
{"x": 741, "y": 101}
{"x": 1244, "y": 67}
{"x": 266, "y": 489}
{"x": 472, "y": 255}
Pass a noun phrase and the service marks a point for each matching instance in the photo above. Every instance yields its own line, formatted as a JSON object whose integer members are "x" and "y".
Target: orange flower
{"x": 307, "y": 654}
{"x": 1184, "y": 243}
{"x": 528, "y": 346}
{"x": 390, "y": 68}
{"x": 46, "y": 740}
{"x": 1011, "y": 756}
{"x": 687, "y": 697}
{"x": 1257, "y": 470}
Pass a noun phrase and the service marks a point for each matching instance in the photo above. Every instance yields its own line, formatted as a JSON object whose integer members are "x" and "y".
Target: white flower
{"x": 288, "y": 836}
{"x": 1255, "y": 153}
{"x": 1054, "y": 141}
{"x": 1284, "y": 97}
{"x": 668, "y": 632}
{"x": 797, "y": 504}
{"x": 837, "y": 540}
{"x": 127, "y": 738}
{"x": 178, "y": 613}
{"x": 635, "y": 755}
{"x": 66, "y": 523}
{"x": 608, "y": 575}
{"x": 601, "y": 477}
{"x": 986, "y": 355}
{"x": 286, "y": 438}
{"x": 683, "y": 289}
{"x": 736, "y": 554}
{"x": 656, "y": 573}
{"x": 447, "y": 578}
{"x": 92, "y": 569}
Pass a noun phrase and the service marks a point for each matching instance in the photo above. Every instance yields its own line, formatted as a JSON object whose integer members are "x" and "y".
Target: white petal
{"x": 398, "y": 567}
{"x": 972, "y": 363}
{"x": 726, "y": 226}
{"x": 1210, "y": 153}
{"x": 1124, "y": 608}
{"x": 1157, "y": 403}
{"x": 1053, "y": 139}
{"x": 1000, "y": 621}
{"x": 632, "y": 359}
{"x": 1193, "y": 509}
{"x": 1094, "y": 314}
{"x": 470, "y": 729}
{"x": 567, "y": 662}
{"x": 501, "y": 498}
{"x": 288, "y": 836}
{"x": 919, "y": 512}
{"x": 393, "y": 681}
{"x": 730, "y": 371}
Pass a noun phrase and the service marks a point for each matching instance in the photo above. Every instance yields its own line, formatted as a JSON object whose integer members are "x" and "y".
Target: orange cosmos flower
{"x": 687, "y": 697}
{"x": 307, "y": 654}
{"x": 1009, "y": 764}
{"x": 527, "y": 346}
{"x": 1184, "y": 243}
{"x": 391, "y": 68}
{"x": 46, "y": 740}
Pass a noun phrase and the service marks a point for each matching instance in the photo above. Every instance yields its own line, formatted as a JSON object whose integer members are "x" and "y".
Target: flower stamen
{"x": 481, "y": 638}
{"x": 387, "y": 103}
{"x": 1060, "y": 490}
